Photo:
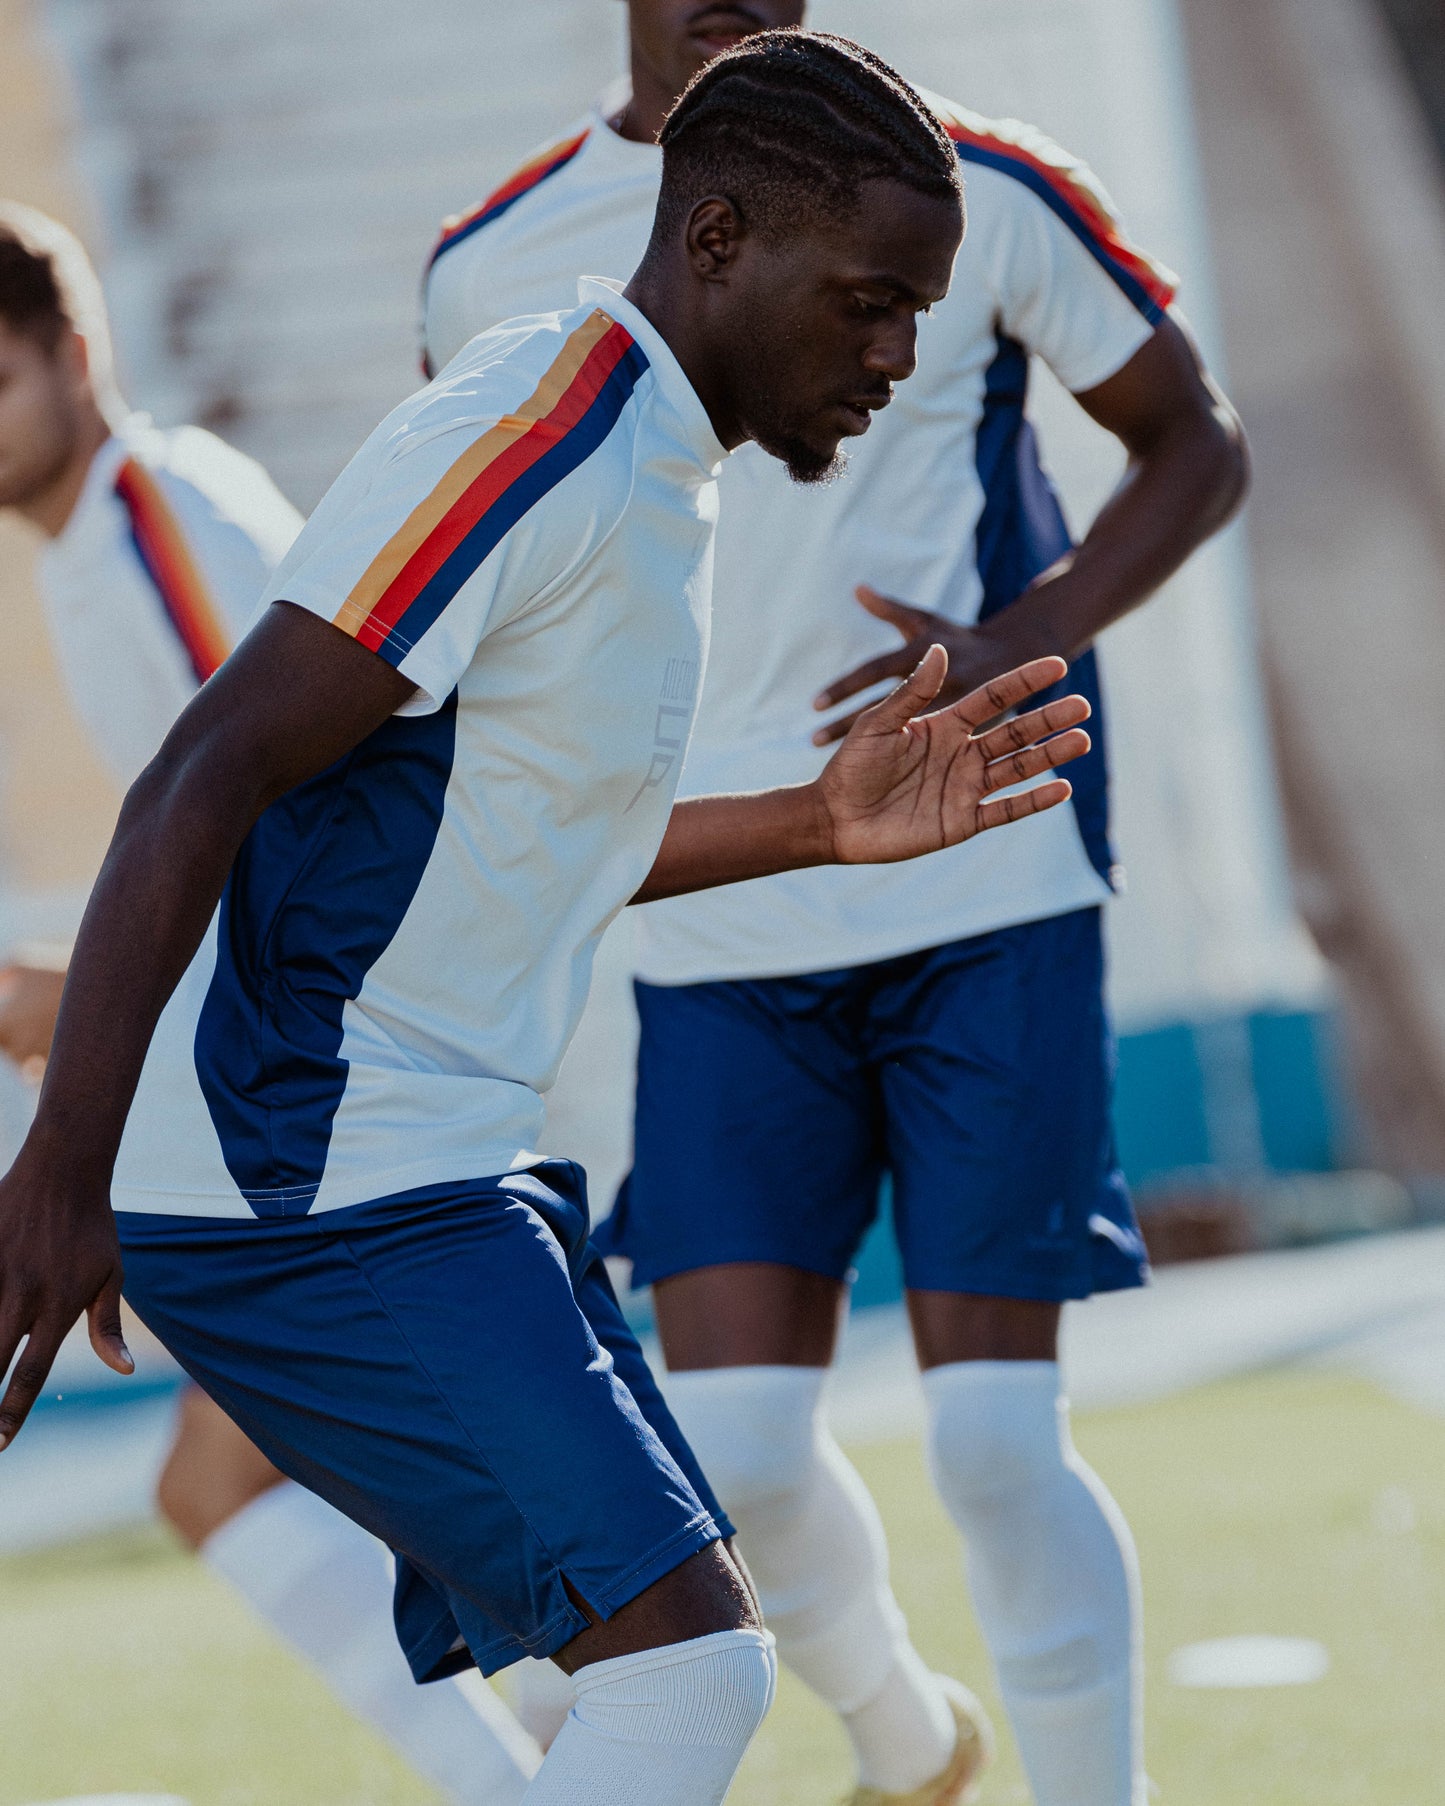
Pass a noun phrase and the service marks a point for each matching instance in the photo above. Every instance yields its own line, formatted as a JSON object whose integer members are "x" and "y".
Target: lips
{"x": 719, "y": 28}
{"x": 859, "y": 412}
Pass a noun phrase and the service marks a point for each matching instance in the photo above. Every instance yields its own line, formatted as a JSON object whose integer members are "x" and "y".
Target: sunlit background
{"x": 261, "y": 181}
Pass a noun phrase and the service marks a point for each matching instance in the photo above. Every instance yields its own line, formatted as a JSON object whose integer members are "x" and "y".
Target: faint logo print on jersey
{"x": 674, "y": 712}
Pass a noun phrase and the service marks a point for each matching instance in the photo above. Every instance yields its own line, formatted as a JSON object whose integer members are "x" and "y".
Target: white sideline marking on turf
{"x": 1249, "y": 1662}
{"x": 117, "y": 1799}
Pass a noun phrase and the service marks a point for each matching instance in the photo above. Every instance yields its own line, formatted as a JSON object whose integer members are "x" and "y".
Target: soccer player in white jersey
{"x": 805, "y": 1034}
{"x": 345, "y": 928}
{"x": 157, "y": 547}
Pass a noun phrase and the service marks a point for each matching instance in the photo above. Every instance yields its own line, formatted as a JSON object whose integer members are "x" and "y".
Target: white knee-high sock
{"x": 667, "y": 1727}
{"x": 1053, "y": 1574}
{"x": 325, "y": 1586}
{"x": 813, "y": 1541}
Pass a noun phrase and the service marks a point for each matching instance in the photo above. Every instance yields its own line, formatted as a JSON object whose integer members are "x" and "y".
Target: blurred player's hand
{"x": 975, "y": 654}
{"x": 29, "y": 1002}
{"x": 906, "y": 782}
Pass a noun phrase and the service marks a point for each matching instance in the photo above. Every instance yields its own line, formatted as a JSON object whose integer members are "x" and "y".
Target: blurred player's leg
{"x": 817, "y": 1554}
{"x": 325, "y": 1587}
{"x": 1053, "y": 1575}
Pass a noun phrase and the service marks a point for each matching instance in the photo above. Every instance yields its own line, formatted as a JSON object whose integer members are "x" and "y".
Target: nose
{"x": 894, "y": 351}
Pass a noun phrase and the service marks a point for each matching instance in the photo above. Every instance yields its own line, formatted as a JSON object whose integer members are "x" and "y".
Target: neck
{"x": 652, "y": 100}
{"x": 666, "y": 304}
{"x": 52, "y": 506}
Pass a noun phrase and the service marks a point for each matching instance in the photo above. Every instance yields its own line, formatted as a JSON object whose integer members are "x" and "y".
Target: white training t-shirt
{"x": 944, "y": 506}
{"x": 154, "y": 578}
{"x": 405, "y": 942}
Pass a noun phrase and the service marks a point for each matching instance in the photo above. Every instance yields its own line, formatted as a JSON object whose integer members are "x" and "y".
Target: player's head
{"x": 55, "y": 367}
{"x": 811, "y": 206}
{"x": 672, "y": 39}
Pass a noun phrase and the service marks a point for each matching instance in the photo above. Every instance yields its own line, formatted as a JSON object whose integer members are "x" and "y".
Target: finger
{"x": 107, "y": 1337}
{"x": 1022, "y": 730}
{"x": 1006, "y": 692}
{"x": 912, "y": 623}
{"x": 1029, "y": 761}
{"x": 873, "y": 671}
{"x": 27, "y": 1381}
{"x": 912, "y": 697}
{"x": 999, "y": 810}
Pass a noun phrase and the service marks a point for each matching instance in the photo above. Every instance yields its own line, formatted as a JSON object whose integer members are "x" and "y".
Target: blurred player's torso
{"x": 155, "y": 577}
{"x": 944, "y": 506}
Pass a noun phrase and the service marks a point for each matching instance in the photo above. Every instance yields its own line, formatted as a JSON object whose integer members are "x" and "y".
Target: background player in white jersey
{"x": 806, "y": 1034}
{"x": 345, "y": 928}
{"x": 157, "y": 549}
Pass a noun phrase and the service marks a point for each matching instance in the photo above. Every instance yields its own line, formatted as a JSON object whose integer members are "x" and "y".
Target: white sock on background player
{"x": 1053, "y": 1574}
{"x": 811, "y": 1536}
{"x": 666, "y": 1727}
{"x": 325, "y": 1586}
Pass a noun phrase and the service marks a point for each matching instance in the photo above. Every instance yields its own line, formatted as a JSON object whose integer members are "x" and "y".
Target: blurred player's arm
{"x": 29, "y": 1001}
{"x": 1187, "y": 473}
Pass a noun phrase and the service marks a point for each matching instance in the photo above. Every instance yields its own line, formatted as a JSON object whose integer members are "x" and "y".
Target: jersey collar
{"x": 701, "y": 440}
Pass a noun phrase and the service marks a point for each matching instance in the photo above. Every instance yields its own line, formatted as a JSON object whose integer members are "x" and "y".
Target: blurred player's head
{"x": 56, "y": 383}
{"x": 812, "y": 206}
{"x": 672, "y": 39}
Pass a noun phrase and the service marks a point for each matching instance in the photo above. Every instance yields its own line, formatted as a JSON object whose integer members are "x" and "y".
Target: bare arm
{"x": 1187, "y": 473}
{"x": 903, "y": 783}
{"x": 294, "y": 697}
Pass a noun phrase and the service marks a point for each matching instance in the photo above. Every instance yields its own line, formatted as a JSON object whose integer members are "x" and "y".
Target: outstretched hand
{"x": 906, "y": 782}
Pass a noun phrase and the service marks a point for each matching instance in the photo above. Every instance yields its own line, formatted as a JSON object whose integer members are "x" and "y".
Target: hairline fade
{"x": 790, "y": 124}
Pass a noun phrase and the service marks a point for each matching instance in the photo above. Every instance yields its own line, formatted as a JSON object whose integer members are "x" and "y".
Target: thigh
{"x": 757, "y": 1132}
{"x": 995, "y": 1059}
{"x": 430, "y": 1373}
{"x": 748, "y": 1314}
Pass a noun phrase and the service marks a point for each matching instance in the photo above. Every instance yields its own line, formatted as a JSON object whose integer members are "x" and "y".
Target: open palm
{"x": 905, "y": 782}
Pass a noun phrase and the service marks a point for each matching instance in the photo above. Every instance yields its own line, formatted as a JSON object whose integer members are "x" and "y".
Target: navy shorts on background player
{"x": 978, "y": 1075}
{"x": 437, "y": 1367}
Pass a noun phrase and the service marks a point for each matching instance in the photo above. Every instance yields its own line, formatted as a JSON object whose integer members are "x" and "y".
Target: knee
{"x": 212, "y": 1471}
{"x": 756, "y": 1431}
{"x": 996, "y": 1430}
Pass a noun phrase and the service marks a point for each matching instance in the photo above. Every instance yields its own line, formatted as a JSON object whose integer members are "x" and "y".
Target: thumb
{"x": 917, "y": 691}
{"x": 912, "y": 623}
{"x": 107, "y": 1337}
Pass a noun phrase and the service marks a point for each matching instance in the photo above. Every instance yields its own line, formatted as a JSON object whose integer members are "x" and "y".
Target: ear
{"x": 714, "y": 237}
{"x": 74, "y": 354}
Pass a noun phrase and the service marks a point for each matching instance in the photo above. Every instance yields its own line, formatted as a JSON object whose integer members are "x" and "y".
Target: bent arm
{"x": 1187, "y": 474}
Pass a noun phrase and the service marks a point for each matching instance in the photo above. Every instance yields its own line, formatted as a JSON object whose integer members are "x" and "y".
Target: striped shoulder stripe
{"x": 1063, "y": 187}
{"x": 172, "y": 569}
{"x": 489, "y": 488}
{"x": 533, "y": 172}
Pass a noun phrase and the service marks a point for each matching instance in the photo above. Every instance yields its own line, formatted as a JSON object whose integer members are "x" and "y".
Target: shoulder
{"x": 548, "y": 161}
{"x": 1022, "y": 169}
{"x": 204, "y": 481}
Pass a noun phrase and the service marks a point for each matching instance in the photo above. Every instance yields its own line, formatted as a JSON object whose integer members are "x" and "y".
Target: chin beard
{"x": 804, "y": 463}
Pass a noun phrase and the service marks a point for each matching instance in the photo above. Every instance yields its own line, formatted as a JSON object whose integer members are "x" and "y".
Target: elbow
{"x": 1233, "y": 470}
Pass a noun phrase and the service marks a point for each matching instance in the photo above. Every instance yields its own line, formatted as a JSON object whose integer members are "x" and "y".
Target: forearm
{"x": 178, "y": 834}
{"x": 1171, "y": 499}
{"x": 713, "y": 840}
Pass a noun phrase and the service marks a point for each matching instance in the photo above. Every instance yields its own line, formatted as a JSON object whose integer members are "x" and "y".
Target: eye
{"x": 871, "y": 310}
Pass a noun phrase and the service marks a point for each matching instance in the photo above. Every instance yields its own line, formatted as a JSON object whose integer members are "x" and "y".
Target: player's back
{"x": 155, "y": 577}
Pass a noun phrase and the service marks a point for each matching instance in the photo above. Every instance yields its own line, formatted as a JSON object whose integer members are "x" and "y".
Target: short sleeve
{"x": 415, "y": 560}
{"x": 1072, "y": 285}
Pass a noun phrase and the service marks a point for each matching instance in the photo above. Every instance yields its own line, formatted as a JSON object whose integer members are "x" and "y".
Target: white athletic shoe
{"x": 959, "y": 1782}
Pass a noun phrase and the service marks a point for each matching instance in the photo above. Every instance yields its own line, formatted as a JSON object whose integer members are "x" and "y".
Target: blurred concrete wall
{"x": 1328, "y": 213}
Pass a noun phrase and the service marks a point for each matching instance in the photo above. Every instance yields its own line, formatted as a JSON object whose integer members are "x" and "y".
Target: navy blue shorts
{"x": 449, "y": 1368}
{"x": 978, "y": 1075}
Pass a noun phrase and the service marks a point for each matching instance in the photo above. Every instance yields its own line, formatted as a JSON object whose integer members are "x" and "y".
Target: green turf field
{"x": 1296, "y": 1505}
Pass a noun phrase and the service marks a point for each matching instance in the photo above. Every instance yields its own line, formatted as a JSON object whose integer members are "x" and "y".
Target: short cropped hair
{"x": 790, "y": 124}
{"x": 48, "y": 287}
